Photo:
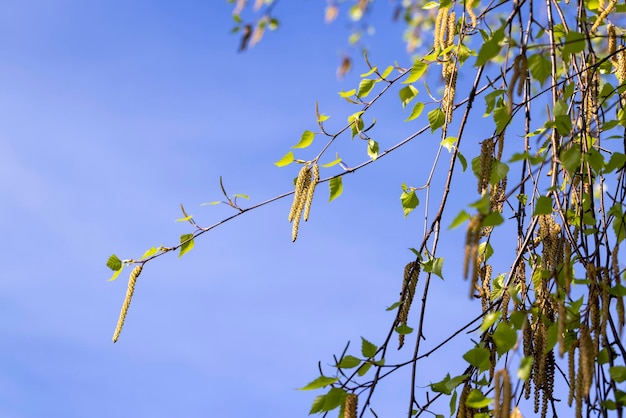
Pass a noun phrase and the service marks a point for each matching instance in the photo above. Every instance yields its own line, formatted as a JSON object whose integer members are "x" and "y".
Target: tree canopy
{"x": 525, "y": 103}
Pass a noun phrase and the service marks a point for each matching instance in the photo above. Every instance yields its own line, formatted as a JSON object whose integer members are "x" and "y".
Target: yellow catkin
{"x": 451, "y": 29}
{"x": 612, "y": 41}
{"x": 450, "y": 72}
{"x": 620, "y": 71}
{"x": 303, "y": 174}
{"x": 605, "y": 299}
{"x": 300, "y": 198}
{"x": 560, "y": 320}
{"x": 619, "y": 304}
{"x": 471, "y": 251}
{"x": 492, "y": 359}
{"x": 409, "y": 284}
{"x": 485, "y": 290}
{"x": 440, "y": 27}
{"x": 548, "y": 384}
{"x": 516, "y": 413}
{"x": 586, "y": 357}
{"x": 539, "y": 360}
{"x": 506, "y": 297}
{"x": 311, "y": 190}
{"x": 571, "y": 372}
{"x": 470, "y": 11}
{"x": 464, "y": 411}
{"x": 350, "y": 405}
{"x": 129, "y": 296}
{"x": 518, "y": 79}
{"x": 603, "y": 15}
{"x": 486, "y": 162}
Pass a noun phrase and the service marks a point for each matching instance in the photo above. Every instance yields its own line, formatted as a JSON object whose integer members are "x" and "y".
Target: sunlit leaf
{"x": 372, "y": 149}
{"x": 505, "y": 338}
{"x": 540, "y": 68}
{"x": 349, "y": 362}
{"x": 407, "y": 93}
{"x": 185, "y": 219}
{"x": 436, "y": 119}
{"x": 477, "y": 400}
{"x": 417, "y": 70}
{"x": 286, "y": 160}
{"x": 149, "y": 253}
{"x": 478, "y": 357}
{"x": 241, "y": 196}
{"x": 305, "y": 140}
{"x": 387, "y": 71}
{"x": 187, "y": 244}
{"x": 336, "y": 188}
{"x": 525, "y": 368}
{"x": 571, "y": 159}
{"x": 114, "y": 263}
{"x": 449, "y": 143}
{"x": 367, "y": 348}
{"x": 117, "y": 273}
{"x": 416, "y": 112}
{"x": 365, "y": 87}
{"x": 490, "y": 49}
{"x": 320, "y": 382}
{"x": 459, "y": 219}
{"x": 409, "y": 201}
{"x": 434, "y": 265}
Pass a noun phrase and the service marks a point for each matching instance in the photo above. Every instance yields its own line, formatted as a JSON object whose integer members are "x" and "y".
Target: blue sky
{"x": 117, "y": 112}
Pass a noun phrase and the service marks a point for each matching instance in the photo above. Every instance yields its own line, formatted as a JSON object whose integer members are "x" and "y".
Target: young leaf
{"x": 409, "y": 201}
{"x": 543, "y": 206}
{"x": 571, "y": 159}
{"x": 618, "y": 373}
{"x": 149, "y": 253}
{"x": 417, "y": 70}
{"x": 436, "y": 118}
{"x": 114, "y": 263}
{"x": 336, "y": 188}
{"x": 185, "y": 219}
{"x": 187, "y": 244}
{"x": 372, "y": 149}
{"x": 460, "y": 219}
{"x": 539, "y": 67}
{"x": 478, "y": 357}
{"x": 320, "y": 382}
{"x": 505, "y": 338}
{"x": 477, "y": 400}
{"x": 367, "y": 348}
{"x": 490, "y": 49}
{"x": 403, "y": 329}
{"x": 365, "y": 87}
{"x": 305, "y": 140}
{"x": 407, "y": 94}
{"x": 349, "y": 362}
{"x": 434, "y": 265}
{"x": 364, "y": 368}
{"x": 525, "y": 368}
{"x": 117, "y": 273}
{"x": 286, "y": 160}
{"x": 416, "y": 112}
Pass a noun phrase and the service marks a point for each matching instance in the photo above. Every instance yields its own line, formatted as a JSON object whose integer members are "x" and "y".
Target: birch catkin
{"x": 129, "y": 296}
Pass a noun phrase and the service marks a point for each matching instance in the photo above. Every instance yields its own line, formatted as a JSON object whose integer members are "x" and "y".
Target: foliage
{"x": 549, "y": 171}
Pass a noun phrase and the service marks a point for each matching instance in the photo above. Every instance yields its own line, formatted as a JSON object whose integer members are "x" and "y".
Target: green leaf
{"x": 364, "y": 368}
{"x": 117, "y": 273}
{"x": 332, "y": 163}
{"x": 505, "y": 338}
{"x": 336, "y": 188}
{"x": 372, "y": 149}
{"x": 460, "y": 219}
{"x": 434, "y": 265}
{"x": 523, "y": 373}
{"x": 493, "y": 219}
{"x": 478, "y": 357}
{"x": 462, "y": 160}
{"x": 395, "y": 305}
{"x": 477, "y": 400}
{"x": 543, "y": 206}
{"x": 318, "y": 404}
{"x": 403, "y": 330}
{"x": 417, "y": 70}
{"x": 489, "y": 320}
{"x": 305, "y": 140}
{"x": 387, "y": 71}
{"x": 491, "y": 99}
{"x": 407, "y": 94}
{"x": 447, "y": 385}
{"x": 187, "y": 244}
{"x": 286, "y": 160}
{"x": 349, "y": 362}
{"x": 571, "y": 159}
{"x": 149, "y": 253}
{"x": 114, "y": 263}
{"x": 370, "y": 72}
{"x": 346, "y": 94}
{"x": 449, "y": 143}
{"x": 436, "y": 118}
{"x": 501, "y": 117}
{"x": 618, "y": 373}
{"x": 575, "y": 43}
{"x": 185, "y": 219}
{"x": 365, "y": 87}
{"x": 499, "y": 170}
{"x": 617, "y": 161}
{"x": 416, "y": 112}
{"x": 367, "y": 348}
{"x": 539, "y": 67}
{"x": 409, "y": 201}
{"x": 490, "y": 49}
{"x": 320, "y": 382}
